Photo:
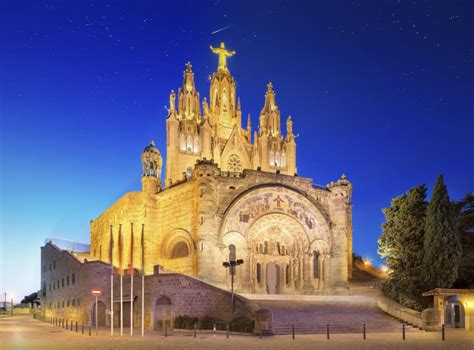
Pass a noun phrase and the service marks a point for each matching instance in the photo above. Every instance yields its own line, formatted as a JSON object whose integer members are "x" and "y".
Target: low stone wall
{"x": 399, "y": 311}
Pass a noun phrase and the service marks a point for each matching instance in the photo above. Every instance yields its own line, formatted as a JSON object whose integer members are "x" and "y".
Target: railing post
{"x": 365, "y": 336}
{"x": 195, "y": 330}
{"x": 327, "y": 331}
{"x": 227, "y": 331}
{"x": 403, "y": 332}
{"x": 443, "y": 335}
{"x": 293, "y": 331}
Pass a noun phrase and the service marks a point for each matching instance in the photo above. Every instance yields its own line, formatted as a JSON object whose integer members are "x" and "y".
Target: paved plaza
{"x": 23, "y": 332}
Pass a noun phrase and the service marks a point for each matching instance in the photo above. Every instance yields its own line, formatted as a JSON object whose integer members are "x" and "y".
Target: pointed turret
{"x": 188, "y": 97}
{"x": 270, "y": 114}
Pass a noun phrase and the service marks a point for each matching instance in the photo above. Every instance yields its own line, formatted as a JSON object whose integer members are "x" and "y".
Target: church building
{"x": 230, "y": 193}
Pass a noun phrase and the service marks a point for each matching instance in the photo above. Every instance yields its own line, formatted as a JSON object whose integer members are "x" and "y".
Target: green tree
{"x": 465, "y": 229}
{"x": 442, "y": 245}
{"x": 401, "y": 244}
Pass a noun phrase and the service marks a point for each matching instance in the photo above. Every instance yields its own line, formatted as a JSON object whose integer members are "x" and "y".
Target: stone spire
{"x": 270, "y": 114}
{"x": 188, "y": 97}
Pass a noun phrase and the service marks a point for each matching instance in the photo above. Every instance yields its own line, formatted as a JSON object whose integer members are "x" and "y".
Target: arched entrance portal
{"x": 163, "y": 312}
{"x": 100, "y": 314}
{"x": 273, "y": 280}
{"x": 454, "y": 313}
{"x": 284, "y": 240}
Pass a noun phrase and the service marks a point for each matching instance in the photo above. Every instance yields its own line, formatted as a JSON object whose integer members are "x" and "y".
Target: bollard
{"x": 76, "y": 326}
{"x": 195, "y": 330}
{"x": 166, "y": 332}
{"x": 89, "y": 330}
{"x": 365, "y": 336}
{"x": 82, "y": 328}
{"x": 403, "y": 332}
{"x": 443, "y": 336}
{"x": 293, "y": 331}
{"x": 327, "y": 331}
{"x": 227, "y": 331}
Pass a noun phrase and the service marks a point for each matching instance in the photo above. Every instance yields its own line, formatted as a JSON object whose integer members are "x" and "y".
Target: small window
{"x": 73, "y": 278}
{"x": 63, "y": 304}
{"x": 50, "y": 266}
{"x": 259, "y": 273}
{"x": 180, "y": 250}
{"x": 67, "y": 280}
{"x": 287, "y": 274}
{"x": 73, "y": 302}
{"x": 62, "y": 282}
{"x": 67, "y": 303}
{"x": 54, "y": 264}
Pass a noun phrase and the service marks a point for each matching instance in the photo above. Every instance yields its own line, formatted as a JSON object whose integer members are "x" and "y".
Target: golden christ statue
{"x": 223, "y": 54}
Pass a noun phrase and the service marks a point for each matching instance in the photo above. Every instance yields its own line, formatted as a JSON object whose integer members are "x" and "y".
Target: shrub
{"x": 185, "y": 322}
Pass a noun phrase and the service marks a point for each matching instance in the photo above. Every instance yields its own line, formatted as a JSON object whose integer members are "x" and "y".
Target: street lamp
{"x": 96, "y": 293}
{"x": 231, "y": 265}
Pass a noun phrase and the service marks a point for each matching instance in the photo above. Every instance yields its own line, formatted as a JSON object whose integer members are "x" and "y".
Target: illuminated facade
{"x": 230, "y": 191}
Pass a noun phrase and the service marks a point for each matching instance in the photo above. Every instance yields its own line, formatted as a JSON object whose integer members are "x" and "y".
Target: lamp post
{"x": 96, "y": 293}
{"x": 231, "y": 265}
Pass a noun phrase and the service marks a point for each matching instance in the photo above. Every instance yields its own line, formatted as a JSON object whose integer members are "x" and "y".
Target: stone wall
{"x": 399, "y": 311}
{"x": 74, "y": 301}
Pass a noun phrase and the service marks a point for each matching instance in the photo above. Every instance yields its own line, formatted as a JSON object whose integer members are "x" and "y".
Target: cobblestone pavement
{"x": 23, "y": 332}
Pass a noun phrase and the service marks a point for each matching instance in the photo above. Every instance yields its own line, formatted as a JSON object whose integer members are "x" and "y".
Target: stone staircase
{"x": 311, "y": 314}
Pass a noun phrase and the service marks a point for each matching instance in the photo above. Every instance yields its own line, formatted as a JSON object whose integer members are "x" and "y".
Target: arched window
{"x": 189, "y": 146}
{"x": 232, "y": 253}
{"x": 277, "y": 159}
{"x": 182, "y": 142}
{"x": 315, "y": 265}
{"x": 272, "y": 158}
{"x": 278, "y": 248}
{"x": 287, "y": 274}
{"x": 224, "y": 98}
{"x": 180, "y": 250}
{"x": 232, "y": 257}
{"x": 189, "y": 172}
{"x": 265, "y": 247}
{"x": 196, "y": 144}
{"x": 259, "y": 273}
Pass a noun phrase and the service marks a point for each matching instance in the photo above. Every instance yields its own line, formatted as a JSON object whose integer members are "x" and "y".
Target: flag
{"x": 120, "y": 250}
{"x": 143, "y": 249}
{"x": 131, "y": 250}
{"x": 111, "y": 246}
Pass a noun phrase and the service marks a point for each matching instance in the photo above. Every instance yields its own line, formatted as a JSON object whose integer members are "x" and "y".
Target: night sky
{"x": 379, "y": 90}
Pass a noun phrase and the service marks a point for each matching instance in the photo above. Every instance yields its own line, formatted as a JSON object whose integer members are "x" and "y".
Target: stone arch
{"x": 259, "y": 200}
{"x": 163, "y": 312}
{"x": 101, "y": 313}
{"x": 177, "y": 236}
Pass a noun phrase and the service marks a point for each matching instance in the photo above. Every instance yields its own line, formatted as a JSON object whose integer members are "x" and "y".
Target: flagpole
{"x": 143, "y": 280}
{"x": 131, "y": 280}
{"x": 111, "y": 256}
{"x": 121, "y": 279}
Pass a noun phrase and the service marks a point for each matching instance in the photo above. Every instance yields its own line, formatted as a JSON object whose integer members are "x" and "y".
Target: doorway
{"x": 272, "y": 278}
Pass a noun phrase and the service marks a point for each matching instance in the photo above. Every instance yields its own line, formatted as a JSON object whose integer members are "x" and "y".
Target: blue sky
{"x": 378, "y": 90}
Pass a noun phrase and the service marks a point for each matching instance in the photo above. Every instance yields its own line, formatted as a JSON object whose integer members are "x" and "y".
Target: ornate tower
{"x": 223, "y": 110}
{"x": 183, "y": 130}
{"x": 151, "y": 165}
{"x": 275, "y": 152}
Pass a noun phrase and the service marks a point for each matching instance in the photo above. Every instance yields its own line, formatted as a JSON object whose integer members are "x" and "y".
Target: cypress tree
{"x": 401, "y": 244}
{"x": 442, "y": 246}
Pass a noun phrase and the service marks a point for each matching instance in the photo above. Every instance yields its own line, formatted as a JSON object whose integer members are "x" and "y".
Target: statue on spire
{"x": 223, "y": 54}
